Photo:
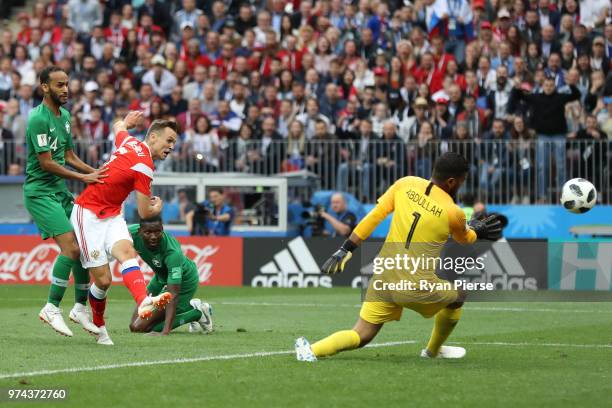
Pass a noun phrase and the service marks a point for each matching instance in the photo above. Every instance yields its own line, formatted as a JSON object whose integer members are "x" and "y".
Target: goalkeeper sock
{"x": 81, "y": 283}
{"x": 133, "y": 280}
{"x": 59, "y": 279}
{"x": 446, "y": 320}
{"x": 339, "y": 341}
{"x": 97, "y": 301}
{"x": 180, "y": 319}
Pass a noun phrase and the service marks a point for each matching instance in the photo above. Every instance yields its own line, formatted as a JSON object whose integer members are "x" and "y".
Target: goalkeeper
{"x": 175, "y": 273}
{"x": 424, "y": 215}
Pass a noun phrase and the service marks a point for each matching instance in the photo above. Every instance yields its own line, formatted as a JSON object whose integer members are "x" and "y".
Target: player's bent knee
{"x": 102, "y": 279}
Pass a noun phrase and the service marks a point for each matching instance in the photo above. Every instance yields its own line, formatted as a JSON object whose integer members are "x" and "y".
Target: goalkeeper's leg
{"x": 445, "y": 322}
{"x": 361, "y": 334}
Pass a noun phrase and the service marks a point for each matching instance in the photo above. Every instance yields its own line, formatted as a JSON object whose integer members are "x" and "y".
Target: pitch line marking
{"x": 276, "y": 353}
{"x": 177, "y": 361}
{"x": 281, "y": 304}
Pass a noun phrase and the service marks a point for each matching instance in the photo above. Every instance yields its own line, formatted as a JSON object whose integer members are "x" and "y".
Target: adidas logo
{"x": 292, "y": 267}
{"x": 502, "y": 269}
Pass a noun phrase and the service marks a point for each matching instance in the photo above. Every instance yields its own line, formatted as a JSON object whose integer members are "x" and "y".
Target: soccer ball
{"x": 578, "y": 196}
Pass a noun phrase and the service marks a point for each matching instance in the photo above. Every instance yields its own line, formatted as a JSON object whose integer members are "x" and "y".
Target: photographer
{"x": 342, "y": 221}
{"x": 212, "y": 217}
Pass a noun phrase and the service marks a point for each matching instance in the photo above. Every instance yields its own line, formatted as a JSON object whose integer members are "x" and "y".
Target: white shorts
{"x": 97, "y": 236}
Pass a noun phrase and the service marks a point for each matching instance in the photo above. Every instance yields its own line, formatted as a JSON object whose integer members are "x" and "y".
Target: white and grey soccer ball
{"x": 578, "y": 195}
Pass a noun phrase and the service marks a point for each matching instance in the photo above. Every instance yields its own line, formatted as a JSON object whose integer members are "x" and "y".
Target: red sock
{"x": 97, "y": 307}
{"x": 134, "y": 281}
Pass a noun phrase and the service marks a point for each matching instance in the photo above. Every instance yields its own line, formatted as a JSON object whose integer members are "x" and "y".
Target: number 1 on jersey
{"x": 417, "y": 216}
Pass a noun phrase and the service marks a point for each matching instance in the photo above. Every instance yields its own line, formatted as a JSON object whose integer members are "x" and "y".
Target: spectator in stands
{"x": 17, "y": 124}
{"x": 549, "y": 123}
{"x": 498, "y": 98}
{"x": 7, "y": 150}
{"x": 356, "y": 158}
{"x": 201, "y": 146}
{"x": 585, "y": 151}
{"x": 474, "y": 117}
{"x": 442, "y": 120}
{"x": 188, "y": 14}
{"x": 390, "y": 155}
{"x": 188, "y": 119}
{"x": 84, "y": 15}
{"x": 521, "y": 161}
{"x": 320, "y": 152}
{"x": 379, "y": 118}
{"x": 423, "y": 152}
{"x": 331, "y": 104}
{"x": 296, "y": 142}
{"x": 493, "y": 157}
{"x": 311, "y": 116}
{"x": 270, "y": 154}
{"x": 162, "y": 80}
{"x": 225, "y": 121}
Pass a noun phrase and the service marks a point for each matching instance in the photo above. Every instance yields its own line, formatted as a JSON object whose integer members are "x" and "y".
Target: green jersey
{"x": 46, "y": 133}
{"x": 168, "y": 262}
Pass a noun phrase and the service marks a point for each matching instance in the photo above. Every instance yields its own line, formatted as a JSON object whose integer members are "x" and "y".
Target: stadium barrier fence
{"x": 501, "y": 171}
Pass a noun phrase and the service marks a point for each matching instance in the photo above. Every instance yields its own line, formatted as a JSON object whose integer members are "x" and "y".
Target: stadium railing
{"x": 504, "y": 171}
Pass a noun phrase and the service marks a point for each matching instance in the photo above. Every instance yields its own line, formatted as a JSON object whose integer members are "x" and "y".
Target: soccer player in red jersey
{"x": 100, "y": 227}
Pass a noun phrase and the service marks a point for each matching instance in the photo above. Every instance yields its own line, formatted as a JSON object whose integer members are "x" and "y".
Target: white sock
{"x": 97, "y": 292}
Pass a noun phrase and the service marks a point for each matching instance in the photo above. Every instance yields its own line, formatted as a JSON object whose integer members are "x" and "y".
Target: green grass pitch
{"x": 519, "y": 354}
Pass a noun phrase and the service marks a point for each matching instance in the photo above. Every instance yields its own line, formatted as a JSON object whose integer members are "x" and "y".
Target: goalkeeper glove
{"x": 336, "y": 262}
{"x": 489, "y": 227}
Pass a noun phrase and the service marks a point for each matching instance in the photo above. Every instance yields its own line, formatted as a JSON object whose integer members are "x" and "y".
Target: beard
{"x": 56, "y": 99}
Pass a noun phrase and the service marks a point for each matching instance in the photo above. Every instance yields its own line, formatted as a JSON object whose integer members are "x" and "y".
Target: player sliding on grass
{"x": 49, "y": 202}
{"x": 424, "y": 215}
{"x": 174, "y": 273}
{"x": 101, "y": 229}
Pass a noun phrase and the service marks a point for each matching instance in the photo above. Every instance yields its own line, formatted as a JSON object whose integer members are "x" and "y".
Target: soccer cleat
{"x": 103, "y": 338}
{"x": 52, "y": 315}
{"x": 152, "y": 303}
{"x": 80, "y": 315}
{"x": 446, "y": 352}
{"x": 303, "y": 351}
{"x": 194, "y": 327}
{"x": 205, "y": 322}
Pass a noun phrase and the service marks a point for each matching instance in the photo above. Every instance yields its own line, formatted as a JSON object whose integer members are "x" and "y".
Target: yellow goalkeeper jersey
{"x": 424, "y": 216}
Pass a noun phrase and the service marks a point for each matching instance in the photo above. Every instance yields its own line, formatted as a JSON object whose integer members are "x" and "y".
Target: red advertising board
{"x": 28, "y": 259}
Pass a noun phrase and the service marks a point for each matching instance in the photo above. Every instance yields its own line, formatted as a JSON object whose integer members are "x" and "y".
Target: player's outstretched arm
{"x": 174, "y": 289}
{"x": 148, "y": 207}
{"x": 132, "y": 119}
{"x": 76, "y": 163}
{"x": 48, "y": 164}
{"x": 385, "y": 205}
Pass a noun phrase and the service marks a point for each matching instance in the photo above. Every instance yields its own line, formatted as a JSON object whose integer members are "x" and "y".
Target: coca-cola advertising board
{"x": 28, "y": 260}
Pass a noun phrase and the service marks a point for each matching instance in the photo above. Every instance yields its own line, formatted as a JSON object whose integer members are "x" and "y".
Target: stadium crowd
{"x": 270, "y": 85}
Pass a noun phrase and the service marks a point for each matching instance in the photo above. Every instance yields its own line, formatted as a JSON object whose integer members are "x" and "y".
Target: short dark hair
{"x": 45, "y": 74}
{"x": 450, "y": 165}
{"x": 215, "y": 189}
{"x": 151, "y": 220}
{"x": 159, "y": 124}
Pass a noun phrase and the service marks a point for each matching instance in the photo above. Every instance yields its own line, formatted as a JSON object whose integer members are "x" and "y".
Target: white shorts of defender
{"x": 96, "y": 237}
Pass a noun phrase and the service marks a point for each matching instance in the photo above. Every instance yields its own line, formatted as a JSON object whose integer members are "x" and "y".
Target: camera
{"x": 200, "y": 218}
{"x": 313, "y": 219}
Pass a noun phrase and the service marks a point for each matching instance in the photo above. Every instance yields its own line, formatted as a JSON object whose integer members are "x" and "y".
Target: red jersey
{"x": 129, "y": 168}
